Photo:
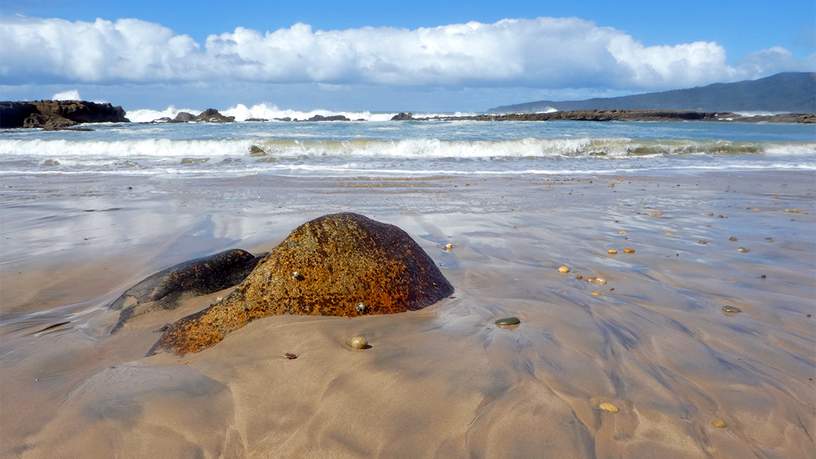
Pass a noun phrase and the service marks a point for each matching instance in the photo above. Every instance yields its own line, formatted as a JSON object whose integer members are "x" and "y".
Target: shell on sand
{"x": 608, "y": 407}
{"x": 719, "y": 423}
{"x": 612, "y": 251}
{"x": 563, "y": 269}
{"x": 358, "y": 342}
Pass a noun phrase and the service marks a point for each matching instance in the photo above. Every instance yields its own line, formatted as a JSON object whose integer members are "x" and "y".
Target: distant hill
{"x": 783, "y": 92}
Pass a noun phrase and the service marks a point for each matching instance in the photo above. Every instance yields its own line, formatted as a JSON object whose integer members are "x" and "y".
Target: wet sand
{"x": 440, "y": 382}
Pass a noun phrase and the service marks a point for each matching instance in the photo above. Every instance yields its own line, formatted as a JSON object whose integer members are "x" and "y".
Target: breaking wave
{"x": 530, "y": 148}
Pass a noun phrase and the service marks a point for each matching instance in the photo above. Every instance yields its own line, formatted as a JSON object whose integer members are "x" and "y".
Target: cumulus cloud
{"x": 542, "y": 53}
{"x": 73, "y": 94}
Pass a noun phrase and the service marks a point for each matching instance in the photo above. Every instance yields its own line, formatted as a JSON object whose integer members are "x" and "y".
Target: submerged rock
{"x": 255, "y": 150}
{"x": 195, "y": 277}
{"x": 329, "y": 118}
{"x": 342, "y": 260}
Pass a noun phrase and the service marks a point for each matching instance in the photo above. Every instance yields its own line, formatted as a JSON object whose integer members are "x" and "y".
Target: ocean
{"x": 378, "y": 147}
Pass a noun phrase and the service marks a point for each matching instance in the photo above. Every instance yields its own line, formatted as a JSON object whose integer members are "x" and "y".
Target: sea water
{"x": 407, "y": 148}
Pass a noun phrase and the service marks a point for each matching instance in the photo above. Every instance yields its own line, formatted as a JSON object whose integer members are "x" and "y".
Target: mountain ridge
{"x": 782, "y": 92}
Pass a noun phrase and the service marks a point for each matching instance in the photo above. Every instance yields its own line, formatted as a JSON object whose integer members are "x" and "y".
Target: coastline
{"x": 443, "y": 380}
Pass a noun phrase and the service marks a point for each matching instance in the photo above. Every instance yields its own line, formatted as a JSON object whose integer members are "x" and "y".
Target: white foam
{"x": 607, "y": 148}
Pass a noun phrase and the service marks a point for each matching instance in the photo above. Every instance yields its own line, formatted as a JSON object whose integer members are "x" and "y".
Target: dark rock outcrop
{"x": 57, "y": 114}
{"x": 195, "y": 277}
{"x": 256, "y": 120}
{"x": 631, "y": 115}
{"x": 328, "y": 118}
{"x": 341, "y": 265}
{"x": 183, "y": 117}
{"x": 403, "y": 116}
{"x": 212, "y": 115}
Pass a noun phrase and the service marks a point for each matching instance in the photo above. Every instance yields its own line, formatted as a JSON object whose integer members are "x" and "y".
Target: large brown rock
{"x": 341, "y": 265}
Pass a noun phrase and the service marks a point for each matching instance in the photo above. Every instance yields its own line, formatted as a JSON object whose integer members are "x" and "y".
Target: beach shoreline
{"x": 443, "y": 381}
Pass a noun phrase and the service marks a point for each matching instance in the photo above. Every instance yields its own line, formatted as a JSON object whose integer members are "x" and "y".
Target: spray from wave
{"x": 265, "y": 111}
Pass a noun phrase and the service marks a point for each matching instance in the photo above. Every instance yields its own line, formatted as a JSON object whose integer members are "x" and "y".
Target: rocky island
{"x": 57, "y": 114}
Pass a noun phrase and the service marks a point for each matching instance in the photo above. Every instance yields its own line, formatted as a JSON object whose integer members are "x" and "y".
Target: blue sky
{"x": 609, "y": 48}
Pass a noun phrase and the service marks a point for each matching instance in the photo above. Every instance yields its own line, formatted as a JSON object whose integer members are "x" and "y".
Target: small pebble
{"x": 728, "y": 309}
{"x": 719, "y": 423}
{"x": 563, "y": 269}
{"x": 608, "y": 407}
{"x": 622, "y": 232}
{"x": 732, "y": 239}
{"x": 361, "y": 308}
{"x": 612, "y": 251}
{"x": 290, "y": 356}
{"x": 579, "y": 276}
{"x": 702, "y": 241}
{"x": 508, "y": 322}
{"x": 595, "y": 293}
{"x": 743, "y": 250}
{"x": 763, "y": 276}
{"x": 297, "y": 276}
{"x": 628, "y": 250}
{"x": 359, "y": 342}
{"x": 598, "y": 280}
{"x": 448, "y": 247}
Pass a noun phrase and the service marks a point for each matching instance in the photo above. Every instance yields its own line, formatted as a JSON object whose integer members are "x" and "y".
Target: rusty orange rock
{"x": 342, "y": 261}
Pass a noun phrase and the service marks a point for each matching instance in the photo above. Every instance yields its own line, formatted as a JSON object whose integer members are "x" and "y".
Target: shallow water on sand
{"x": 440, "y": 382}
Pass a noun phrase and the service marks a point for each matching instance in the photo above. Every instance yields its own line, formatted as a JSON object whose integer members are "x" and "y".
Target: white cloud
{"x": 542, "y": 53}
{"x": 73, "y": 94}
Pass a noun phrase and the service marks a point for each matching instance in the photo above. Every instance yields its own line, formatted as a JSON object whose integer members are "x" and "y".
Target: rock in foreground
{"x": 195, "y": 277}
{"x": 328, "y": 266}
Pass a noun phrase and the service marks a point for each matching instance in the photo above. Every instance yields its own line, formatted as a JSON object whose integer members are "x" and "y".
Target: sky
{"x": 390, "y": 56}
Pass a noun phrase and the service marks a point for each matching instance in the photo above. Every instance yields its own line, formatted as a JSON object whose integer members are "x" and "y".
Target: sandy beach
{"x": 687, "y": 379}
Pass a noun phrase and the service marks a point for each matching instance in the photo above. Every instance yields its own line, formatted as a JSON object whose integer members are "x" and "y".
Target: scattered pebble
{"x": 563, "y": 269}
{"x": 597, "y": 280}
{"x": 579, "y": 276}
{"x": 608, "y": 407}
{"x": 290, "y": 356}
{"x": 448, "y": 247}
{"x": 728, "y": 309}
{"x": 622, "y": 232}
{"x": 763, "y": 276}
{"x": 628, "y": 250}
{"x": 297, "y": 276}
{"x": 793, "y": 211}
{"x": 508, "y": 321}
{"x": 359, "y": 342}
{"x": 732, "y": 239}
{"x": 595, "y": 293}
{"x": 702, "y": 241}
{"x": 743, "y": 250}
{"x": 612, "y": 251}
{"x": 719, "y": 423}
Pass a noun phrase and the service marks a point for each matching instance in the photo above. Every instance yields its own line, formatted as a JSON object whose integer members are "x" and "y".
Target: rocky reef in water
{"x": 340, "y": 265}
{"x": 57, "y": 114}
{"x": 209, "y": 115}
{"x": 632, "y": 115}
